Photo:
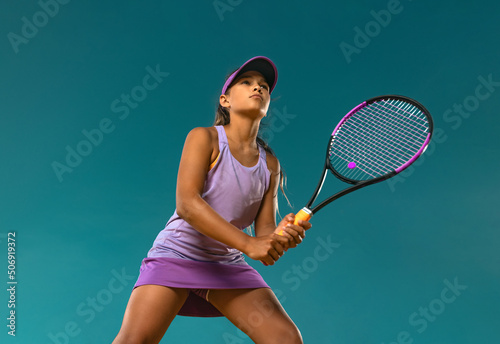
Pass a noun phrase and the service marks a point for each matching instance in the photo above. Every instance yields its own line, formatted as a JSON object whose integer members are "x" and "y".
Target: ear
{"x": 224, "y": 101}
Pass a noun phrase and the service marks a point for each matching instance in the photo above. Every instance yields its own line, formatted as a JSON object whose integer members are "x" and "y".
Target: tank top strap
{"x": 223, "y": 141}
{"x": 221, "y": 135}
{"x": 262, "y": 155}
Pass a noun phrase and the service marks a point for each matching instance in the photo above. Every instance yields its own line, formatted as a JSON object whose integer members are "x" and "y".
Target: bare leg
{"x": 150, "y": 310}
{"x": 258, "y": 313}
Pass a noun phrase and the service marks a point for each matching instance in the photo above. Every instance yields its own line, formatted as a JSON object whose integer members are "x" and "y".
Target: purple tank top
{"x": 232, "y": 190}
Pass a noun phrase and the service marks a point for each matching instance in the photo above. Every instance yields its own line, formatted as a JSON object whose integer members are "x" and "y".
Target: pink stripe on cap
{"x": 259, "y": 64}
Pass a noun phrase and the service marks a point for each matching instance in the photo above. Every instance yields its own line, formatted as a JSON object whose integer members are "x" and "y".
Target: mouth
{"x": 257, "y": 96}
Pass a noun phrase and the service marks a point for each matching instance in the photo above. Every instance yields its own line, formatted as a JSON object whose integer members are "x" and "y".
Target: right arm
{"x": 193, "y": 168}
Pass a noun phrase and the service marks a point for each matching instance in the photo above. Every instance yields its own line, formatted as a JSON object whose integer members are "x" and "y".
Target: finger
{"x": 281, "y": 240}
{"x": 288, "y": 219}
{"x": 305, "y": 224}
{"x": 298, "y": 228}
{"x": 289, "y": 244}
{"x": 285, "y": 233}
{"x": 278, "y": 248}
{"x": 292, "y": 243}
{"x": 286, "y": 244}
{"x": 268, "y": 260}
{"x": 296, "y": 237}
{"x": 272, "y": 256}
{"x": 295, "y": 231}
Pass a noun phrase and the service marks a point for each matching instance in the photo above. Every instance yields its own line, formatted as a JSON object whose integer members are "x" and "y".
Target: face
{"x": 250, "y": 93}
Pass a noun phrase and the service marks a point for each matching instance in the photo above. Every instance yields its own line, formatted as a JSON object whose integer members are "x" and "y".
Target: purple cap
{"x": 259, "y": 64}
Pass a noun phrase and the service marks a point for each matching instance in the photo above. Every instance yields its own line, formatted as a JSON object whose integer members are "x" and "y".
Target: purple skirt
{"x": 191, "y": 274}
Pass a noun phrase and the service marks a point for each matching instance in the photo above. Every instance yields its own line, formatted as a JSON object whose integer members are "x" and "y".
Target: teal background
{"x": 395, "y": 246}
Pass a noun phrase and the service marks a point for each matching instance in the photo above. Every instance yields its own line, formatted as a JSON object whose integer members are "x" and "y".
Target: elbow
{"x": 186, "y": 208}
{"x": 182, "y": 210}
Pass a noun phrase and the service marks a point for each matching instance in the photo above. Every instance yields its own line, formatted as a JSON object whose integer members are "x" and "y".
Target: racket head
{"x": 378, "y": 139}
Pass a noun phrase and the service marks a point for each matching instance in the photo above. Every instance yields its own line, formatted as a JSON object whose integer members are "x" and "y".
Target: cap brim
{"x": 259, "y": 64}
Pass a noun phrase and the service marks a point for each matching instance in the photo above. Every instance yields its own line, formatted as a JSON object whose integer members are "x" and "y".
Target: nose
{"x": 257, "y": 88}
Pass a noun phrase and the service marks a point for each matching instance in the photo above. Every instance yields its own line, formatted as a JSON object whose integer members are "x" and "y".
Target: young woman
{"x": 228, "y": 179}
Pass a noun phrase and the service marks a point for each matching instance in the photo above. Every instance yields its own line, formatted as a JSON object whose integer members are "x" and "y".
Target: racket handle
{"x": 304, "y": 214}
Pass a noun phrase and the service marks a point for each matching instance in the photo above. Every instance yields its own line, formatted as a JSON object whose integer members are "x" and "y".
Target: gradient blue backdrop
{"x": 414, "y": 260}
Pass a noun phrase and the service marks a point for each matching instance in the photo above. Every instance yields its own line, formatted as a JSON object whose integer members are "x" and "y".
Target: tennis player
{"x": 228, "y": 179}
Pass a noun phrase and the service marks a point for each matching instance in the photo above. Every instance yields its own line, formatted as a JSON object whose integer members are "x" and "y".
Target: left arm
{"x": 265, "y": 222}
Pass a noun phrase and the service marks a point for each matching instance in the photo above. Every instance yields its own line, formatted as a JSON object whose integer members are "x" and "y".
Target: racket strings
{"x": 402, "y": 108}
{"x": 378, "y": 138}
{"x": 411, "y": 129}
{"x": 366, "y": 169}
{"x": 412, "y": 115}
{"x": 364, "y": 160}
{"x": 375, "y": 129}
{"x": 399, "y": 136}
{"x": 384, "y": 147}
{"x": 391, "y": 115}
{"x": 359, "y": 149}
{"x": 369, "y": 164}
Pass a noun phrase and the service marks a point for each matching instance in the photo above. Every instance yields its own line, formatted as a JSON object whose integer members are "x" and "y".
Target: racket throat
{"x": 318, "y": 190}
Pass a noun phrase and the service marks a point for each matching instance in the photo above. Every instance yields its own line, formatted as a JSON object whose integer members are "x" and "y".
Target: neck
{"x": 243, "y": 130}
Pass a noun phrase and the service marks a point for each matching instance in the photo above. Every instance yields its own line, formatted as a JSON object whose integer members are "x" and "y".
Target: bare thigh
{"x": 150, "y": 310}
{"x": 258, "y": 313}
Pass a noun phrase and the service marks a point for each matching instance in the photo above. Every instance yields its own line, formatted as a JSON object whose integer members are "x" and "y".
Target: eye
{"x": 264, "y": 86}
{"x": 246, "y": 82}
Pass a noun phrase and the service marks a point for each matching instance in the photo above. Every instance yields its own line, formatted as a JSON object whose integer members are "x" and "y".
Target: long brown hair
{"x": 222, "y": 118}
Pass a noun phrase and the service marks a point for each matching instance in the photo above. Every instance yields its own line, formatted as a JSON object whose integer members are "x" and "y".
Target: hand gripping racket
{"x": 376, "y": 140}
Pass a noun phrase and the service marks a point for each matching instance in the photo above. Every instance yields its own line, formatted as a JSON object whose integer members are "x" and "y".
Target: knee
{"x": 122, "y": 338}
{"x": 289, "y": 335}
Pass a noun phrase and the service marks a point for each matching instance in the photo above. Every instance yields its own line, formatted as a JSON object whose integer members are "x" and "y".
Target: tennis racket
{"x": 375, "y": 141}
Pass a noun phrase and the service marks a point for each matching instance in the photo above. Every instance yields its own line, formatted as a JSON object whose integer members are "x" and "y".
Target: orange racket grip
{"x": 304, "y": 214}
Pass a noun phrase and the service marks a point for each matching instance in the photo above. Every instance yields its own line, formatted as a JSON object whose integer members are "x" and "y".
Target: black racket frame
{"x": 357, "y": 184}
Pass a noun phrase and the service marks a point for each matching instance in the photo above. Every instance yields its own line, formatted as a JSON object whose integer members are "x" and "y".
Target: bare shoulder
{"x": 203, "y": 135}
{"x": 273, "y": 165}
{"x": 205, "y": 138}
